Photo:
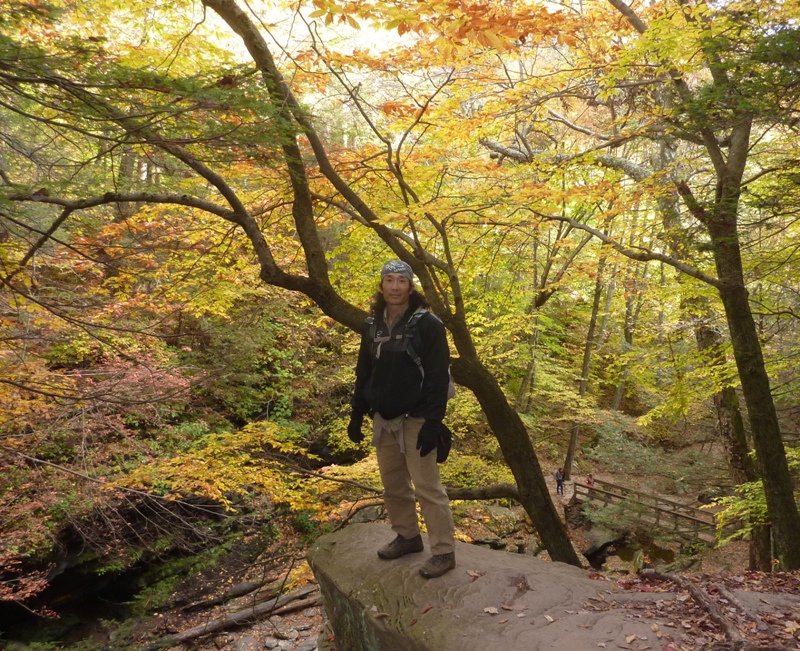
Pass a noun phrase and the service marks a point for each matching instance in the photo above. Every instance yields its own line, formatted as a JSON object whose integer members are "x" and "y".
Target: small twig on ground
{"x": 238, "y": 590}
{"x": 355, "y": 510}
{"x": 714, "y": 611}
{"x": 298, "y": 605}
{"x": 736, "y": 642}
{"x": 728, "y": 595}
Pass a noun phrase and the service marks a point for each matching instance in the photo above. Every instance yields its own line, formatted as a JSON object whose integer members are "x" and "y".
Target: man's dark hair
{"x": 377, "y": 303}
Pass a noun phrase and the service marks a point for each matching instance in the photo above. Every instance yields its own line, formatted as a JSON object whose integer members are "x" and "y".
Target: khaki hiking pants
{"x": 398, "y": 471}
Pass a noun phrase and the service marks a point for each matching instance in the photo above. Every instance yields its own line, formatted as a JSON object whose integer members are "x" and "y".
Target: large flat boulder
{"x": 377, "y": 605}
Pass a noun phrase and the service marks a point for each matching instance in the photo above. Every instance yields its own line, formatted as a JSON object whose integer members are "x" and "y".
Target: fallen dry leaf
{"x": 654, "y": 628}
{"x": 426, "y": 609}
{"x": 503, "y": 621}
{"x": 491, "y": 610}
{"x": 380, "y": 615}
{"x": 548, "y": 618}
{"x": 629, "y": 638}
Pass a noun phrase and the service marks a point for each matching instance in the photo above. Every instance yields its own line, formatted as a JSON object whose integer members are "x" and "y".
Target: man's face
{"x": 396, "y": 289}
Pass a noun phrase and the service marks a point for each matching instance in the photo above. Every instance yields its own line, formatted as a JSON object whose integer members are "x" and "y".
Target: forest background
{"x": 598, "y": 200}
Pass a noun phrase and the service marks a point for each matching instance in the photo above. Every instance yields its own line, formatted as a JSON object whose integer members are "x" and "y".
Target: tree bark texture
{"x": 753, "y": 376}
{"x": 517, "y": 449}
{"x": 764, "y": 425}
{"x": 730, "y": 429}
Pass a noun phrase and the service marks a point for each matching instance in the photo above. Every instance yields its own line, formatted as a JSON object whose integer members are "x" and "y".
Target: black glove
{"x": 428, "y": 437}
{"x": 354, "y": 428}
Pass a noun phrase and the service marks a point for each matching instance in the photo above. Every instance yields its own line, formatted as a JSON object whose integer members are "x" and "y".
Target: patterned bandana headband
{"x": 397, "y": 267}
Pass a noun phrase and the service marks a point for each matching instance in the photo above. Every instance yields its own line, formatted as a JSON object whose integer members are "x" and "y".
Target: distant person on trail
{"x": 406, "y": 395}
{"x": 589, "y": 480}
{"x": 559, "y": 481}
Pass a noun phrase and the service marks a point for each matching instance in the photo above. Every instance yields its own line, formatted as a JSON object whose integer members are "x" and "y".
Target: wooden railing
{"x": 658, "y": 511}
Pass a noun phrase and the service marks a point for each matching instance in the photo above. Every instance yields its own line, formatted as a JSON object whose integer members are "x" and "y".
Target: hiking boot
{"x": 400, "y": 547}
{"x": 437, "y": 565}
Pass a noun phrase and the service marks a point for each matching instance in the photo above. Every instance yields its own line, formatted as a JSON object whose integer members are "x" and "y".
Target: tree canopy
{"x": 581, "y": 189}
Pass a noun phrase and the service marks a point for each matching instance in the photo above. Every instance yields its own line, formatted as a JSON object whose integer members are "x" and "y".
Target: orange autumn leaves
{"x": 450, "y": 25}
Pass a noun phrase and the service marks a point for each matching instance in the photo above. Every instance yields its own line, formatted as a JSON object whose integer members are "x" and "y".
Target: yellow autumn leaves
{"x": 225, "y": 466}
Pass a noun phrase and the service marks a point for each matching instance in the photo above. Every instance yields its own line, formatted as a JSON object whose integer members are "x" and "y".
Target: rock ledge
{"x": 492, "y": 600}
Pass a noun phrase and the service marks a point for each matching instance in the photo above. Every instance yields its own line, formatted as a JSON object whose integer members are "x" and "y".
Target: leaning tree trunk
{"x": 517, "y": 449}
{"x": 730, "y": 428}
{"x": 764, "y": 425}
{"x": 730, "y": 425}
{"x": 753, "y": 376}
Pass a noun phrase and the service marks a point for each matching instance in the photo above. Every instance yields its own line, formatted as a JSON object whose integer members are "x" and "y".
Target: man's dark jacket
{"x": 391, "y": 383}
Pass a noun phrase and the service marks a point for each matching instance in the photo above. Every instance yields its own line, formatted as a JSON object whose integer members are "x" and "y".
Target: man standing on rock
{"x": 405, "y": 388}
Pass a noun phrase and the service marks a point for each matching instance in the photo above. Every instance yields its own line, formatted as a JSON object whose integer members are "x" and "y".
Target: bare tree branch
{"x": 634, "y": 170}
{"x": 642, "y": 255}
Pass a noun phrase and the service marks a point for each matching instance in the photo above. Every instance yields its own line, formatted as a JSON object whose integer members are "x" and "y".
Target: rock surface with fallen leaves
{"x": 491, "y": 599}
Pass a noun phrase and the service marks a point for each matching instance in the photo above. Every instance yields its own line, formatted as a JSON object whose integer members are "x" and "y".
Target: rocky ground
{"x": 301, "y": 631}
{"x": 284, "y": 614}
{"x": 765, "y": 613}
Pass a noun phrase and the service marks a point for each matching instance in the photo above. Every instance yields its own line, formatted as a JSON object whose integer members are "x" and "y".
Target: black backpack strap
{"x": 409, "y": 333}
{"x": 372, "y": 328}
